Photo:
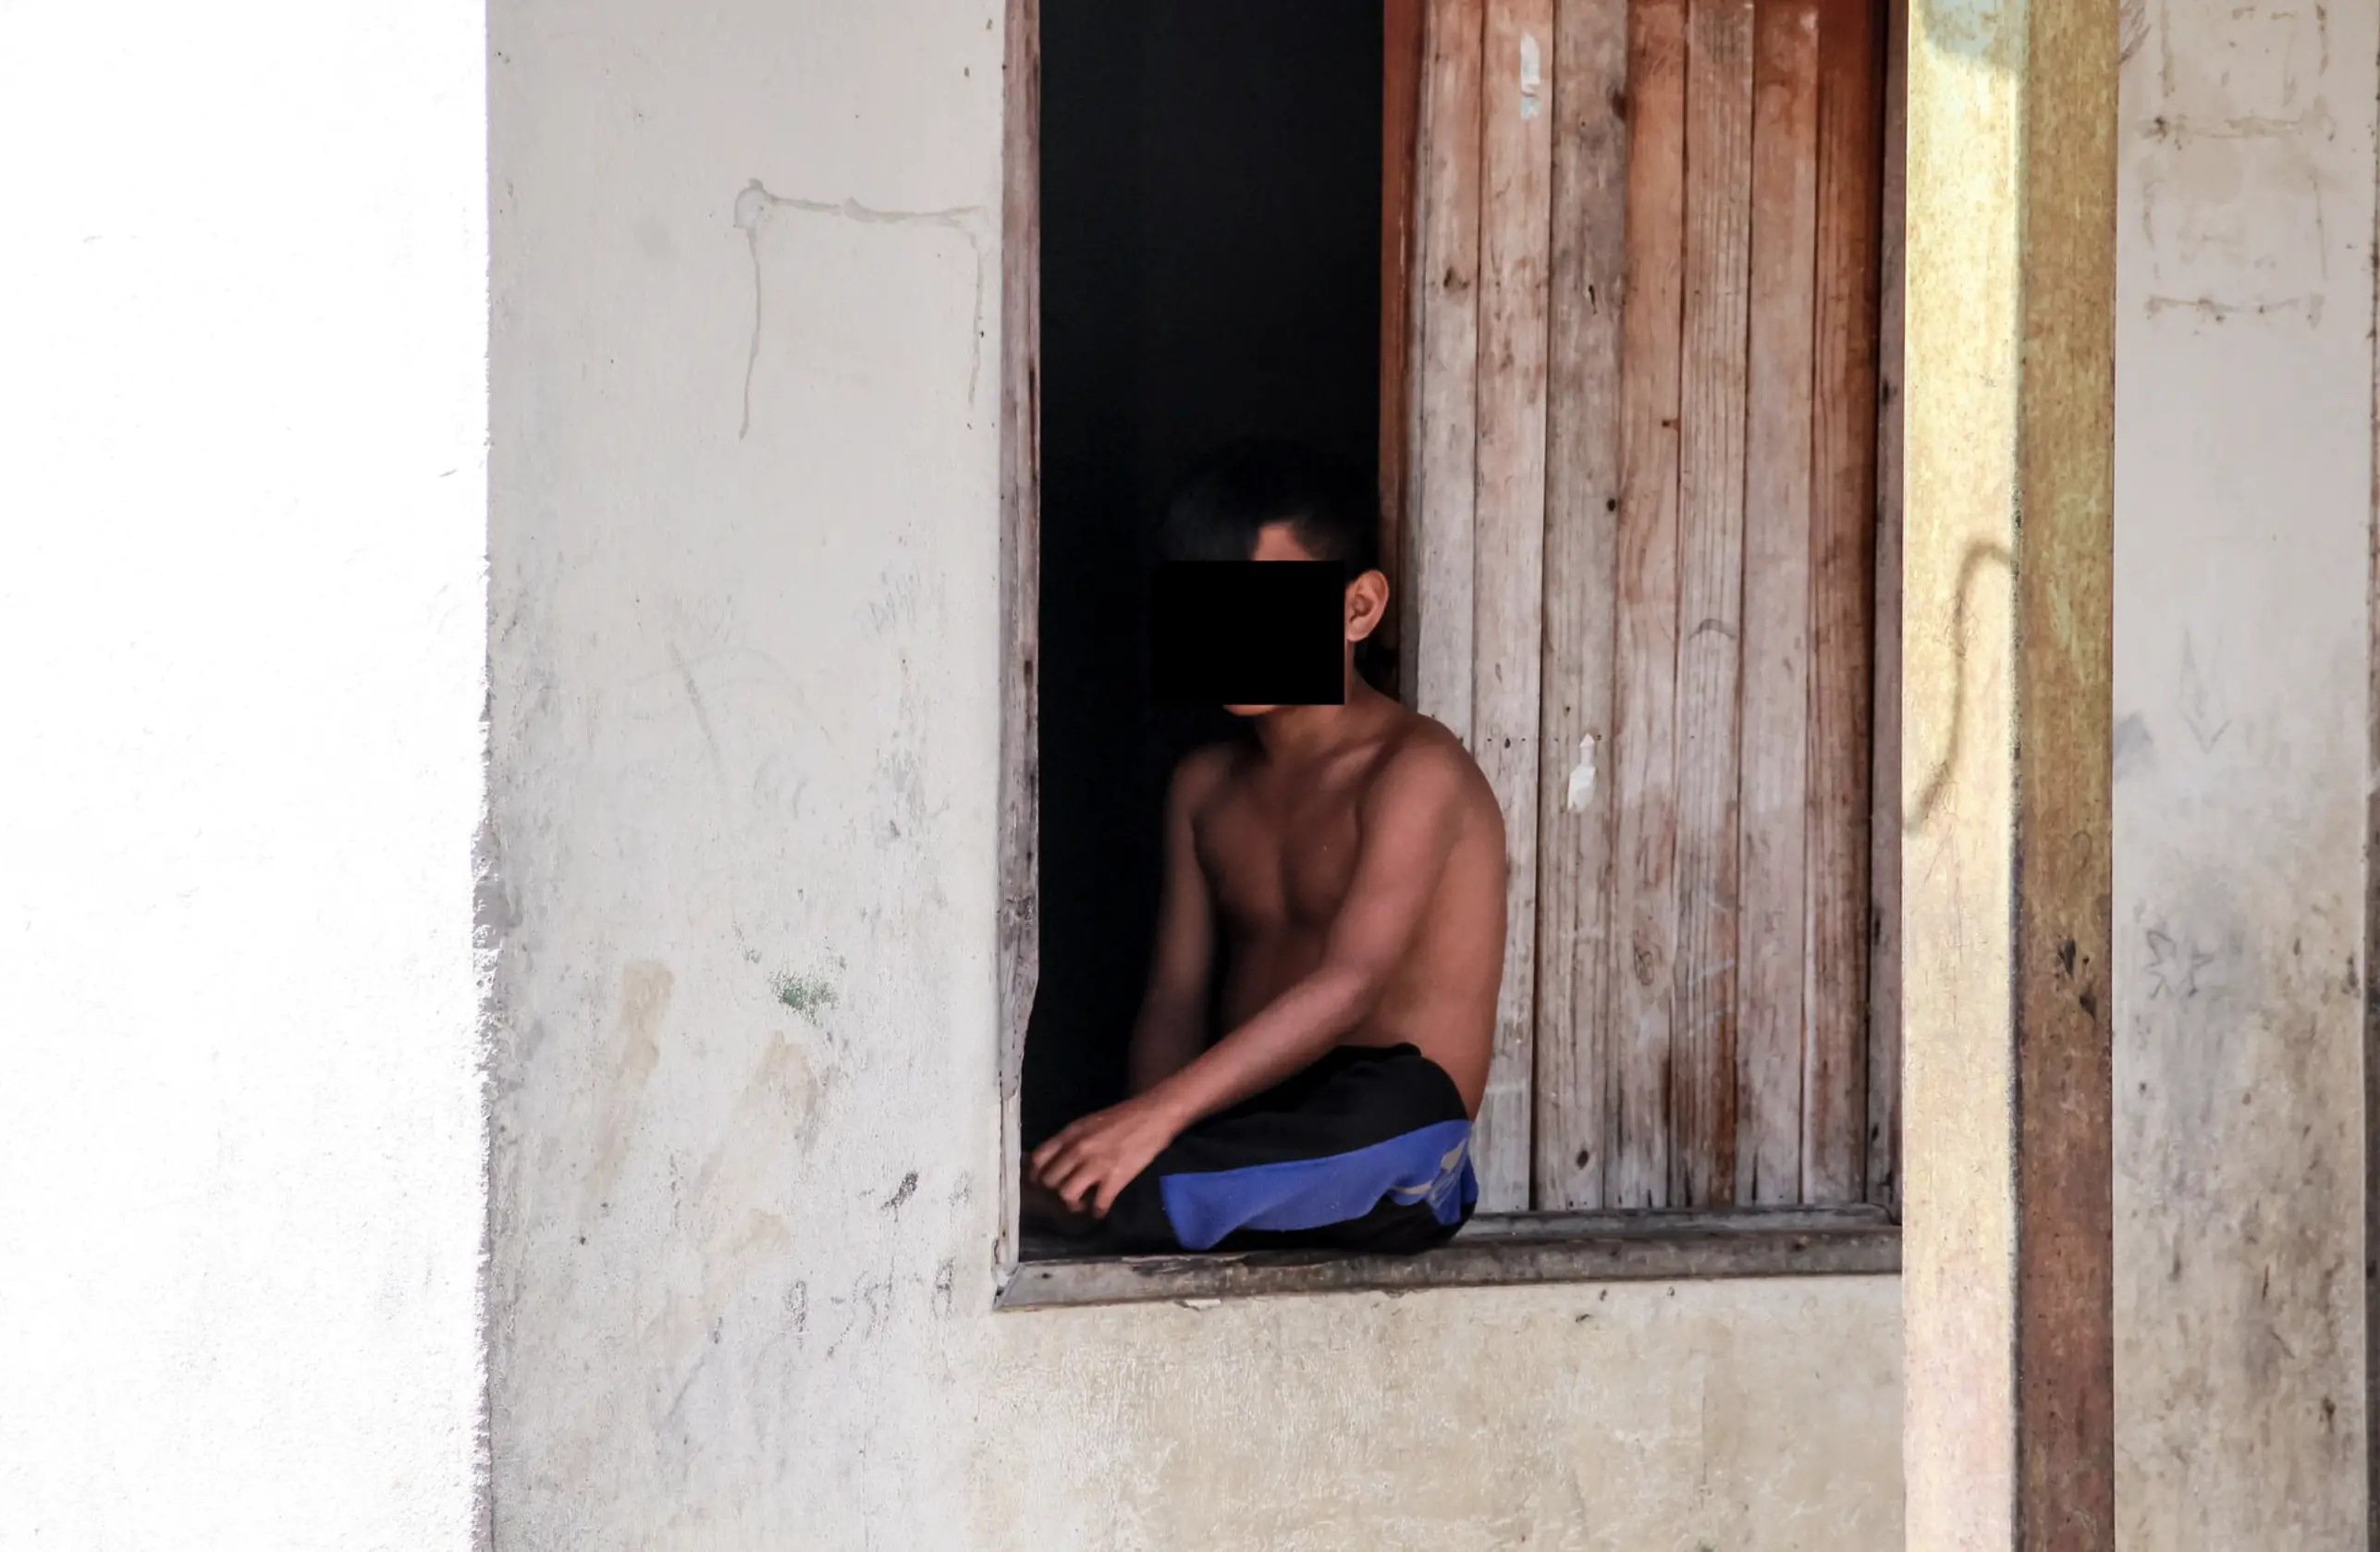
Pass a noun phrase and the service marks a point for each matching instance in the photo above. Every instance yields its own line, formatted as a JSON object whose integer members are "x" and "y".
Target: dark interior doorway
{"x": 1210, "y": 229}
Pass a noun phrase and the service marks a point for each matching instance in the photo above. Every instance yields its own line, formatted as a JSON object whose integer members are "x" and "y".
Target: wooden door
{"x": 1629, "y": 425}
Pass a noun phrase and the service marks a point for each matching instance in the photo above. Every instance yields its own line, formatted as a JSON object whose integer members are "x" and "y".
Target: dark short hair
{"x": 1232, "y": 496}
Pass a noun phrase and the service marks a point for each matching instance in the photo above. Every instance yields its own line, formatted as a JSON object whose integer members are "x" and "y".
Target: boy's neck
{"x": 1295, "y": 733}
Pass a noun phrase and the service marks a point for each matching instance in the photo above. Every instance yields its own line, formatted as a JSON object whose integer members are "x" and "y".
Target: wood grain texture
{"x": 1883, "y": 1124}
{"x": 1713, "y": 368}
{"x": 1403, "y": 56}
{"x": 2371, "y": 1377}
{"x": 1436, "y": 626}
{"x": 1772, "y": 973}
{"x": 2063, "y": 1110}
{"x": 1582, "y": 488}
{"x": 1508, "y": 541}
{"x": 2371, "y": 1128}
{"x": 1019, "y": 951}
{"x": 1850, "y": 164}
{"x": 1644, "y": 908}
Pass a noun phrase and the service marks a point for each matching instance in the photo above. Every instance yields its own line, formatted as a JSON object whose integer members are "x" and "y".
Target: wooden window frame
{"x": 1496, "y": 1249}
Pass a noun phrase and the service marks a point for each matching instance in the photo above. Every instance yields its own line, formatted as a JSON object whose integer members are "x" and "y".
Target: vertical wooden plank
{"x": 1884, "y": 876}
{"x": 1582, "y": 500}
{"x": 1438, "y": 619}
{"x": 1507, "y": 589}
{"x": 2372, "y": 990}
{"x": 1020, "y": 581}
{"x": 1771, "y": 981}
{"x": 2064, "y": 540}
{"x": 1850, "y": 168}
{"x": 1644, "y": 908}
{"x": 1401, "y": 55}
{"x": 1710, "y": 593}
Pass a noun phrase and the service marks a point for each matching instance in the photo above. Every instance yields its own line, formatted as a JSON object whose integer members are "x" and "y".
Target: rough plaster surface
{"x": 2244, "y": 405}
{"x": 744, "y": 577}
{"x": 242, "y": 637}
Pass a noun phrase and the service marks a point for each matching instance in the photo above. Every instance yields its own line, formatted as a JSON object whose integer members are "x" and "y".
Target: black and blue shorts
{"x": 1368, "y": 1150}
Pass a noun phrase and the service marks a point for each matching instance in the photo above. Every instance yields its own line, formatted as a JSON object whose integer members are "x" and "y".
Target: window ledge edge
{"x": 1510, "y": 1250}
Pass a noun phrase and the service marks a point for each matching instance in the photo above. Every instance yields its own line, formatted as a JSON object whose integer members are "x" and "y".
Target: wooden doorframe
{"x": 1018, "y": 840}
{"x": 1884, "y": 725}
{"x": 1402, "y": 54}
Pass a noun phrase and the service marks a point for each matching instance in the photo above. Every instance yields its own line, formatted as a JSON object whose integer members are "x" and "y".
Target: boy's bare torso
{"x": 1277, "y": 841}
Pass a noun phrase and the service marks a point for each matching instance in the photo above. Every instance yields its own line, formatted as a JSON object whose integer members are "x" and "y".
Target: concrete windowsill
{"x": 1654, "y": 1245}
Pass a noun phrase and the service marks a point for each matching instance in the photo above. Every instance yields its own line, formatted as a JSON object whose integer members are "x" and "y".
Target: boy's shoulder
{"x": 1206, "y": 770}
{"x": 1418, "y": 757}
{"x": 1424, "y": 755}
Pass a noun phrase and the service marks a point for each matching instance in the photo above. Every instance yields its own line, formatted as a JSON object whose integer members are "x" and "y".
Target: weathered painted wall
{"x": 742, "y": 765}
{"x": 243, "y": 642}
{"x": 2243, "y": 509}
{"x": 744, "y": 577}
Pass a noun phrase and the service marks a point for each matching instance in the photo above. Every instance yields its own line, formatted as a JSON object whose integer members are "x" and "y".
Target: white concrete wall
{"x": 743, "y": 729}
{"x": 744, "y": 578}
{"x": 2244, "y": 400}
{"x": 242, "y": 507}
{"x": 743, "y": 736}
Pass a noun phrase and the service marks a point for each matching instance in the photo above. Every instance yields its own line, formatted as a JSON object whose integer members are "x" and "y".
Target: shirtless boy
{"x": 1351, "y": 858}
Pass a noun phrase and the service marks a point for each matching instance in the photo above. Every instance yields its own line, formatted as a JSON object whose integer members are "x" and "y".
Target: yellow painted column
{"x": 2008, "y": 1435}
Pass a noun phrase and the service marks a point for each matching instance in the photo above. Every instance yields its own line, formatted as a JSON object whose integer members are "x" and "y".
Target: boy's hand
{"x": 1092, "y": 1161}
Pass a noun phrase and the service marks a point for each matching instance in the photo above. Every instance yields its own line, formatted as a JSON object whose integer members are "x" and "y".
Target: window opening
{"x": 1591, "y": 288}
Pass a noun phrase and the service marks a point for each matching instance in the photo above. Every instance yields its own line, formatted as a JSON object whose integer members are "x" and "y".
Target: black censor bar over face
{"x": 1249, "y": 633}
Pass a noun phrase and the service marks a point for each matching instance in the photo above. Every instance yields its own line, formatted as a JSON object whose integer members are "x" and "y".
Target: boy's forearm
{"x": 1294, "y": 1029}
{"x": 1162, "y": 1044}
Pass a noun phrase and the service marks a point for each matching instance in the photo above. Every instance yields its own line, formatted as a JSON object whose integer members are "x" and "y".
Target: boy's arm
{"x": 1410, "y": 821}
{"x": 1171, "y": 1027}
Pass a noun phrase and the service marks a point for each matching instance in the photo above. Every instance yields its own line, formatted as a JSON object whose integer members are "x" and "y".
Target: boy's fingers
{"x": 1049, "y": 1153}
{"x": 1069, "y": 1180}
{"x": 1086, "y": 1180}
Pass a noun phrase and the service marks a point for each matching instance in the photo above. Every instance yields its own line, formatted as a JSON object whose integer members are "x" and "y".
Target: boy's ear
{"x": 1367, "y": 604}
